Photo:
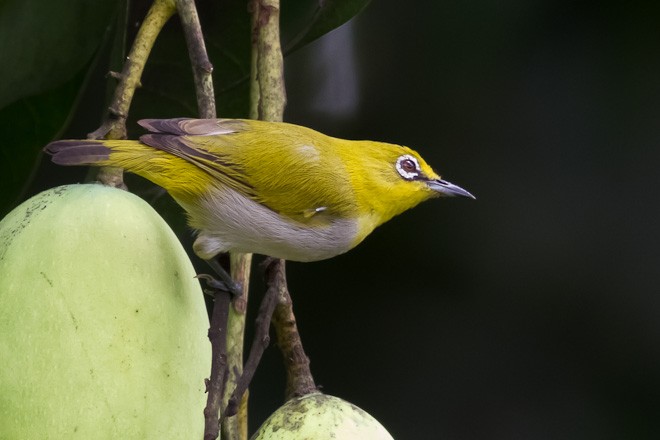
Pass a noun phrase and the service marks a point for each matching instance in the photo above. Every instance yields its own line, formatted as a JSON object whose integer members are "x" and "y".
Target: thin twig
{"x": 214, "y": 385}
{"x": 235, "y": 428}
{"x": 202, "y": 67}
{"x": 261, "y": 337}
{"x": 299, "y": 380}
{"x": 269, "y": 74}
{"x": 114, "y": 124}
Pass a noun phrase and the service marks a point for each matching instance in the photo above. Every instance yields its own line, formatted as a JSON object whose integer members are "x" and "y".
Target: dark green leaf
{"x": 329, "y": 15}
{"x": 26, "y": 126}
{"x": 46, "y": 42}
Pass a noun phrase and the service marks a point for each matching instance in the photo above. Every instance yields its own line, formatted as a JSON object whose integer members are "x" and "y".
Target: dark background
{"x": 532, "y": 312}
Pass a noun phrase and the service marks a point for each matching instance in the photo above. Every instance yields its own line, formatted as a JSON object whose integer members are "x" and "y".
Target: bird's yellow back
{"x": 313, "y": 178}
{"x": 290, "y": 169}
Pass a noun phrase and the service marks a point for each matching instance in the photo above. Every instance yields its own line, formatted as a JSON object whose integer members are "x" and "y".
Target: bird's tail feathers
{"x": 85, "y": 152}
{"x": 88, "y": 151}
{"x": 178, "y": 176}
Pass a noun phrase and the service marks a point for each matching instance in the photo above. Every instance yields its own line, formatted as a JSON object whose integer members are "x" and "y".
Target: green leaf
{"x": 26, "y": 126}
{"x": 46, "y": 42}
{"x": 329, "y": 15}
{"x": 49, "y": 45}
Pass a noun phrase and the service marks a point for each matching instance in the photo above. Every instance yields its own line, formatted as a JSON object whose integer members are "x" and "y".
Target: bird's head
{"x": 391, "y": 179}
{"x": 411, "y": 168}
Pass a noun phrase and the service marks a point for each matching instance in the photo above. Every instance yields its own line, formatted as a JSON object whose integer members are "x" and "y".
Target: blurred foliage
{"x": 48, "y": 42}
{"x": 59, "y": 49}
{"x": 49, "y": 46}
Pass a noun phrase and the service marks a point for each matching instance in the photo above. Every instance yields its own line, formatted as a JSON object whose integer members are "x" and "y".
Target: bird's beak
{"x": 447, "y": 189}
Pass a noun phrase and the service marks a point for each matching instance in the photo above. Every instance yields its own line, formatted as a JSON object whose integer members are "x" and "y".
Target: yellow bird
{"x": 270, "y": 188}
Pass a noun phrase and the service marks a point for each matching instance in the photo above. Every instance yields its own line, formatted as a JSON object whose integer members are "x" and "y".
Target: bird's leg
{"x": 225, "y": 283}
{"x": 259, "y": 344}
{"x": 214, "y": 286}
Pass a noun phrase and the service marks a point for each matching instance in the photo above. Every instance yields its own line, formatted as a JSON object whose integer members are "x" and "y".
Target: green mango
{"x": 318, "y": 416}
{"x": 102, "y": 324}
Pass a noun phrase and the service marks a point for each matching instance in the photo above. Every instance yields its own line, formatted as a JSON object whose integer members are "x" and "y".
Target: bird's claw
{"x": 215, "y": 285}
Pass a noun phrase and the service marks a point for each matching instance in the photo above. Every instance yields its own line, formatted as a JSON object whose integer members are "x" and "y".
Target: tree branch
{"x": 268, "y": 70}
{"x": 114, "y": 124}
{"x": 235, "y": 428}
{"x": 202, "y": 67}
{"x": 214, "y": 385}
{"x": 261, "y": 338}
{"x": 299, "y": 380}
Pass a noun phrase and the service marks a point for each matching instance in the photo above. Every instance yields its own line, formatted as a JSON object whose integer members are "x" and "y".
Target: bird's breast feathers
{"x": 230, "y": 222}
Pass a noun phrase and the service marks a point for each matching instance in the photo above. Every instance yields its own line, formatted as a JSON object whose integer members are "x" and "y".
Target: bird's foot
{"x": 226, "y": 283}
{"x": 214, "y": 286}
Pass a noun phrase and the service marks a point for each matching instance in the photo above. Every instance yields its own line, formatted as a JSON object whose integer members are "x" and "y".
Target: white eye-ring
{"x": 408, "y": 167}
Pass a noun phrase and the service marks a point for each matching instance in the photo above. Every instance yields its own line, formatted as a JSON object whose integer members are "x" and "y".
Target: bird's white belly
{"x": 231, "y": 222}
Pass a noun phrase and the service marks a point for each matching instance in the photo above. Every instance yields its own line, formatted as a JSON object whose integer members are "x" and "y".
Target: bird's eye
{"x": 408, "y": 167}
